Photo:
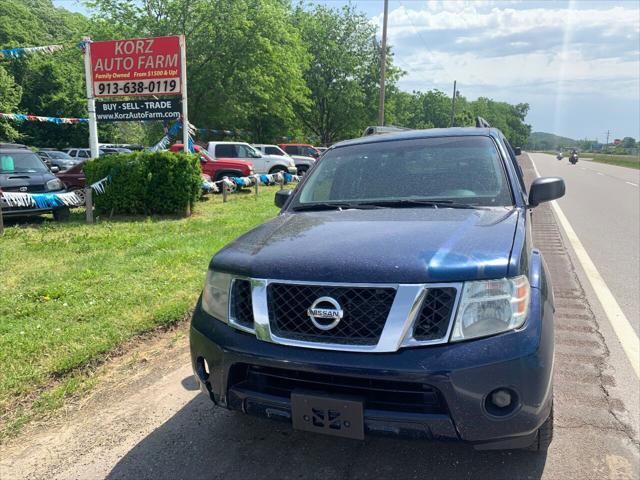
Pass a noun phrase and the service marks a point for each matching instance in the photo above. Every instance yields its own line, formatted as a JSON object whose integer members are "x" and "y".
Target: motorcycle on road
{"x": 559, "y": 156}
{"x": 574, "y": 158}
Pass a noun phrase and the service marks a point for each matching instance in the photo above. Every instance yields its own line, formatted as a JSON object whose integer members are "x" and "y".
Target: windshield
{"x": 464, "y": 170}
{"x": 22, "y": 162}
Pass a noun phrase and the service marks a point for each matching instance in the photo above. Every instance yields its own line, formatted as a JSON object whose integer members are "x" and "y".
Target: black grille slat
{"x": 241, "y": 303}
{"x": 387, "y": 395}
{"x": 435, "y": 314}
{"x": 365, "y": 312}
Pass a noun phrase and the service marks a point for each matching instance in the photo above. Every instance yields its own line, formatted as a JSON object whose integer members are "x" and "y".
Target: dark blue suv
{"x": 397, "y": 293}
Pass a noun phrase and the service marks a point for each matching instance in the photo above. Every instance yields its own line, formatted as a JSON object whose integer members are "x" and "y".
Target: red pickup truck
{"x": 219, "y": 168}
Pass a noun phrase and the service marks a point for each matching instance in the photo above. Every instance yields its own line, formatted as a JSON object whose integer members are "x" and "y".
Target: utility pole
{"x": 606, "y": 145}
{"x": 383, "y": 63}
{"x": 453, "y": 102}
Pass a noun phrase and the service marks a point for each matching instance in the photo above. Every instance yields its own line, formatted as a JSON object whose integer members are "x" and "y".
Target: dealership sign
{"x": 136, "y": 67}
{"x": 133, "y": 110}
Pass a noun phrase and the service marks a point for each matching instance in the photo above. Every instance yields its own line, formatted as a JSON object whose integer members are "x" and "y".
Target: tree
{"x": 10, "y": 94}
{"x": 244, "y": 59}
{"x": 343, "y": 72}
{"x": 628, "y": 142}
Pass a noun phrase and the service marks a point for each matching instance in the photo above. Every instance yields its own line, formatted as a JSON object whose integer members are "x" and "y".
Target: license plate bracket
{"x": 341, "y": 416}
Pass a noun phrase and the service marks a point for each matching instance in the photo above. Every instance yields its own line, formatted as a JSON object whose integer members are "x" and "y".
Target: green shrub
{"x": 146, "y": 182}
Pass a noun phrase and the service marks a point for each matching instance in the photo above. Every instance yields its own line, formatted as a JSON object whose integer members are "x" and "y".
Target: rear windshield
{"x": 22, "y": 162}
{"x": 459, "y": 169}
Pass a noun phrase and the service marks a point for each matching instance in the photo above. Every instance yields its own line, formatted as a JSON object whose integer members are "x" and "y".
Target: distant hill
{"x": 548, "y": 141}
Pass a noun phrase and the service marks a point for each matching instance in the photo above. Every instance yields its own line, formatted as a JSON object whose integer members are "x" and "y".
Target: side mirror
{"x": 54, "y": 169}
{"x": 545, "y": 189}
{"x": 281, "y": 197}
{"x": 517, "y": 151}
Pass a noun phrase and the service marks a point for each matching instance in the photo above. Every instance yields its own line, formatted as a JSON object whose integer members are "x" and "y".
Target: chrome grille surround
{"x": 398, "y": 328}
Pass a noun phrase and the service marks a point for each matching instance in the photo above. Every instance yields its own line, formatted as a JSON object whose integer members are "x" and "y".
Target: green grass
{"x": 631, "y": 161}
{"x": 71, "y": 292}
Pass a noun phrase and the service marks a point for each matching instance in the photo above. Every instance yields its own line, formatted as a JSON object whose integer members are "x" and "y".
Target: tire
{"x": 544, "y": 436}
{"x": 277, "y": 168}
{"x": 302, "y": 169}
{"x": 61, "y": 214}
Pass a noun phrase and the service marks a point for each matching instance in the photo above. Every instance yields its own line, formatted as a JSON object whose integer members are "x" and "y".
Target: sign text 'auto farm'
{"x": 141, "y": 66}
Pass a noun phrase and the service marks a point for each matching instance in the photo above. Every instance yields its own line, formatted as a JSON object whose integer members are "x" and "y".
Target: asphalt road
{"x": 149, "y": 421}
{"x": 603, "y": 206}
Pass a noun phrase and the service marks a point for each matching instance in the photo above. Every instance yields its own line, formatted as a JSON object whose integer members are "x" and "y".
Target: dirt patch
{"x": 101, "y": 376}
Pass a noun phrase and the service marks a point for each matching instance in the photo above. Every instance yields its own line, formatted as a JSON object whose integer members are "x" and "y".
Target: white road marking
{"x": 624, "y": 331}
{"x": 600, "y": 173}
{"x": 631, "y": 183}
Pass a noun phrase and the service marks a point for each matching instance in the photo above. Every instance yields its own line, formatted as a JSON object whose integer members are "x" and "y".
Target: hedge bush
{"x": 146, "y": 182}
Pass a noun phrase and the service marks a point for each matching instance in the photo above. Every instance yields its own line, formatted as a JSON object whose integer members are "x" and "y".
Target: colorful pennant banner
{"x": 19, "y": 52}
{"x": 51, "y": 200}
{"x": 19, "y": 117}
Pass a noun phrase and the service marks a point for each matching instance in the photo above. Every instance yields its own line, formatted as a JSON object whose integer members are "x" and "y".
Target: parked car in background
{"x": 22, "y": 171}
{"x": 57, "y": 158}
{"x": 73, "y": 178}
{"x": 219, "y": 168}
{"x": 322, "y": 149}
{"x": 303, "y": 149}
{"x": 244, "y": 151}
{"x": 302, "y": 163}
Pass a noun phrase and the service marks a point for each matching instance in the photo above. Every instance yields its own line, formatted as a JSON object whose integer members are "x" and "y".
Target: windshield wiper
{"x": 412, "y": 202}
{"x": 332, "y": 206}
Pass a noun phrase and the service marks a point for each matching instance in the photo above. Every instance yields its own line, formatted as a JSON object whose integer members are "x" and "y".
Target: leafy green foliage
{"x": 146, "y": 182}
{"x": 10, "y": 94}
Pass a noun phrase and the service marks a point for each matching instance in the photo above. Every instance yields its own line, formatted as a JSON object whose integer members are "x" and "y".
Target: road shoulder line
{"x": 621, "y": 326}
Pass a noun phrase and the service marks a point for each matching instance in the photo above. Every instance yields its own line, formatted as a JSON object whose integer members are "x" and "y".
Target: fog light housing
{"x": 501, "y": 401}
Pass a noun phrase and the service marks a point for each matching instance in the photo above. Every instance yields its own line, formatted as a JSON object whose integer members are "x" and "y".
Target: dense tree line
{"x": 268, "y": 67}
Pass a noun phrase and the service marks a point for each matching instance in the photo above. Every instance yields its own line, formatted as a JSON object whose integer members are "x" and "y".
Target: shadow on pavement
{"x": 201, "y": 441}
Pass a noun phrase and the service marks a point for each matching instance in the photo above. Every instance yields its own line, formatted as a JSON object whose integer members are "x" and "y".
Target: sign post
{"x": 183, "y": 89}
{"x": 91, "y": 101}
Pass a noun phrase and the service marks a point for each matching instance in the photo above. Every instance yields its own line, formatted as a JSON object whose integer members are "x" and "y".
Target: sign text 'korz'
{"x": 141, "y": 66}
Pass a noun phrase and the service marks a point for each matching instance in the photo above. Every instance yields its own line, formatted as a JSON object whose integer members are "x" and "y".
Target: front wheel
{"x": 278, "y": 168}
{"x": 302, "y": 169}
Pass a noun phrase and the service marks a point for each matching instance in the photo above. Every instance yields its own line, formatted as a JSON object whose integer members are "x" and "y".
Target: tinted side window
{"x": 272, "y": 151}
{"x": 226, "y": 150}
{"x": 291, "y": 150}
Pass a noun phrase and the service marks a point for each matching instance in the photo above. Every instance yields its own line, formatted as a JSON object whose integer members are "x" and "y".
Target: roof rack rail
{"x": 482, "y": 123}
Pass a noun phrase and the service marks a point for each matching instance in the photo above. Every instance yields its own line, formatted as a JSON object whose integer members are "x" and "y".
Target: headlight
{"x": 215, "y": 296}
{"x": 491, "y": 306}
{"x": 54, "y": 184}
{"x": 250, "y": 171}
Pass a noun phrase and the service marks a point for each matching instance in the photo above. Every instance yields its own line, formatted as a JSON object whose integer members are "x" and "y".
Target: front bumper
{"x": 8, "y": 211}
{"x": 461, "y": 375}
{"x": 292, "y": 170}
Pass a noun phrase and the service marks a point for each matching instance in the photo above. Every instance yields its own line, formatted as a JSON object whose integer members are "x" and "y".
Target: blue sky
{"x": 577, "y": 63}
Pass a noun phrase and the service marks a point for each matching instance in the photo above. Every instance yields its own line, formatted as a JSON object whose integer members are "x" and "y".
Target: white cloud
{"x": 521, "y": 52}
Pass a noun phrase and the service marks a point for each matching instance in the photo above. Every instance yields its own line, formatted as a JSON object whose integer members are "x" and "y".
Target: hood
{"x": 277, "y": 158}
{"x": 34, "y": 182}
{"x": 410, "y": 245}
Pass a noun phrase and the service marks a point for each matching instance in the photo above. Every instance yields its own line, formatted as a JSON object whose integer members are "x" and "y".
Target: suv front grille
{"x": 435, "y": 314}
{"x": 386, "y": 395}
{"x": 241, "y": 311}
{"x": 365, "y": 312}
